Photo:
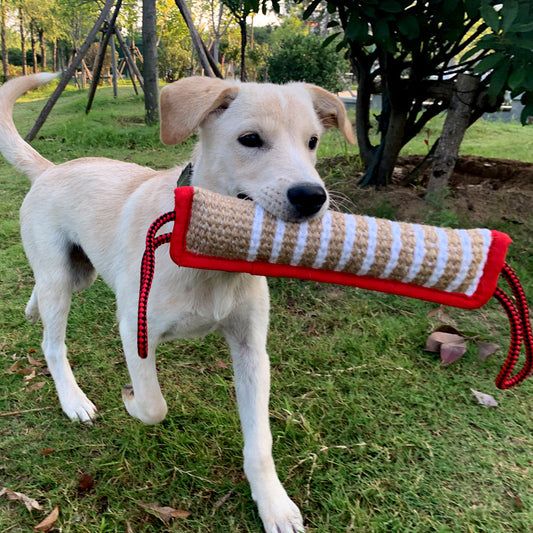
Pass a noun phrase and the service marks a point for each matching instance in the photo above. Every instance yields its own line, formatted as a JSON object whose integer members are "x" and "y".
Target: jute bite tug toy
{"x": 459, "y": 268}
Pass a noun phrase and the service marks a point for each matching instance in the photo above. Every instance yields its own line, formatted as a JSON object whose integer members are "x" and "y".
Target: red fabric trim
{"x": 178, "y": 242}
{"x": 180, "y": 255}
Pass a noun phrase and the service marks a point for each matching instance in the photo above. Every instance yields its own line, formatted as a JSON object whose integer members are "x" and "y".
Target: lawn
{"x": 371, "y": 433}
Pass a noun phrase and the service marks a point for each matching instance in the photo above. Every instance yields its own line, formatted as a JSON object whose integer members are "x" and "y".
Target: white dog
{"x": 91, "y": 215}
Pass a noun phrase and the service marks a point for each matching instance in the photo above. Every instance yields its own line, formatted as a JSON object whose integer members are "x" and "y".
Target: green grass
{"x": 371, "y": 434}
{"x": 508, "y": 140}
{"x": 484, "y": 138}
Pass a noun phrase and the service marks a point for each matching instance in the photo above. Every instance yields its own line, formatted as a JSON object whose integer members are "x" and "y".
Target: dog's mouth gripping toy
{"x": 458, "y": 268}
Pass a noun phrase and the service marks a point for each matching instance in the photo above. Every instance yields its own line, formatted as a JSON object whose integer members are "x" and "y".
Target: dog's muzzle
{"x": 307, "y": 199}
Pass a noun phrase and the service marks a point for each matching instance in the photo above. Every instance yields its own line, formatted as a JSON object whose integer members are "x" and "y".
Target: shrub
{"x": 304, "y": 58}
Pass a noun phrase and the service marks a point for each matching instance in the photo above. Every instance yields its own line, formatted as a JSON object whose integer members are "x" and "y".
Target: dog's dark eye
{"x": 251, "y": 140}
{"x": 313, "y": 141}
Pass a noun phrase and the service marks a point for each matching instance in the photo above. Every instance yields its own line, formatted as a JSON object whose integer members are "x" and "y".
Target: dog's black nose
{"x": 307, "y": 198}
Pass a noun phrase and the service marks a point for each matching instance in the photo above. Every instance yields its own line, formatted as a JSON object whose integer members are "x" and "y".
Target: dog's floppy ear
{"x": 187, "y": 102}
{"x": 331, "y": 111}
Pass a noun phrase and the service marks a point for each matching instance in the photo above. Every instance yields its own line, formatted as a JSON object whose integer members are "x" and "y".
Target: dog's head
{"x": 257, "y": 141}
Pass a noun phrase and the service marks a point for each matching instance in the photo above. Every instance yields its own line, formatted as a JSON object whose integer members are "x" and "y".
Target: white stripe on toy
{"x": 396, "y": 246}
{"x": 466, "y": 259}
{"x": 300, "y": 244}
{"x": 485, "y": 234}
{"x": 370, "y": 251}
{"x": 325, "y": 237}
{"x": 257, "y": 227}
{"x": 442, "y": 258}
{"x": 349, "y": 239}
{"x": 278, "y": 240}
{"x": 418, "y": 254}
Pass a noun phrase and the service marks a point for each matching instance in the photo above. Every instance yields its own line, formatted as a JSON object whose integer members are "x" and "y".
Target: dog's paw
{"x": 281, "y": 516}
{"x": 149, "y": 412}
{"x": 79, "y": 409}
{"x": 32, "y": 309}
{"x": 32, "y": 314}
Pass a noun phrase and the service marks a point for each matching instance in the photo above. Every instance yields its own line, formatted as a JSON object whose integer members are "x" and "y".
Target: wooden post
{"x": 67, "y": 75}
{"x": 114, "y": 67}
{"x": 86, "y": 70}
{"x": 209, "y": 67}
{"x": 101, "y": 55}
{"x": 129, "y": 59}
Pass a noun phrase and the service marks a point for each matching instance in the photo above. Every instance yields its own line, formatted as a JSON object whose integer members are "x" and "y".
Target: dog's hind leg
{"x": 143, "y": 398}
{"x": 54, "y": 305}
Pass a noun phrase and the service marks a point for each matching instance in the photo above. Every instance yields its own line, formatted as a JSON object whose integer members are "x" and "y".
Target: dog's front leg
{"x": 143, "y": 398}
{"x": 246, "y": 335}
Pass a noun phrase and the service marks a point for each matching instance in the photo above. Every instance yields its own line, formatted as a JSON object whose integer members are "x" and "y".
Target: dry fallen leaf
{"x": 86, "y": 482}
{"x": 48, "y": 522}
{"x": 30, "y": 376}
{"x": 14, "y": 368}
{"x": 452, "y": 351}
{"x": 165, "y": 514}
{"x": 486, "y": 349}
{"x": 451, "y": 346}
{"x": 36, "y": 386}
{"x": 30, "y": 503}
{"x": 46, "y": 451}
{"x": 34, "y": 362}
{"x": 486, "y": 400}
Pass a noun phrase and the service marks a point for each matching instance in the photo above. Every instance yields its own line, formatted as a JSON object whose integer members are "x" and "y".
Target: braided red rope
{"x": 518, "y": 314}
{"x": 147, "y": 275}
{"x": 517, "y": 311}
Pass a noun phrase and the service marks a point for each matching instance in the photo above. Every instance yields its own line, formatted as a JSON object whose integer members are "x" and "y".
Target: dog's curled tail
{"x": 13, "y": 147}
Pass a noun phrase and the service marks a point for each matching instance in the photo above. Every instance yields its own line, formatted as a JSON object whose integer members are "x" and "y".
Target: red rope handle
{"x": 518, "y": 314}
{"x": 147, "y": 275}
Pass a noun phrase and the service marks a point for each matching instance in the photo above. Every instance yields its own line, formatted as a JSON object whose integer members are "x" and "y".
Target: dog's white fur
{"x": 91, "y": 215}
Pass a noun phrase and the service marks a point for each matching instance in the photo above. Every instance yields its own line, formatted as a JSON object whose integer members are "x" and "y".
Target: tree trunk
{"x": 42, "y": 45}
{"x": 244, "y": 42}
{"x": 393, "y": 145}
{"x": 55, "y": 54}
{"x": 23, "y": 41}
{"x": 216, "y": 29}
{"x": 382, "y": 166}
{"x": 150, "y": 66}
{"x": 362, "y": 112}
{"x": 33, "y": 47}
{"x": 457, "y": 120}
{"x": 5, "y": 59}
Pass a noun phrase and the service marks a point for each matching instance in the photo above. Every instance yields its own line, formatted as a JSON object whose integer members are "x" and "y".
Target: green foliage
{"x": 289, "y": 27}
{"x": 410, "y": 51}
{"x": 304, "y": 58}
{"x": 507, "y": 52}
{"x": 173, "y": 62}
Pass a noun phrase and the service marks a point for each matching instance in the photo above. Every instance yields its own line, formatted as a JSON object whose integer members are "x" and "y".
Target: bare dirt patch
{"x": 474, "y": 170}
{"x": 482, "y": 191}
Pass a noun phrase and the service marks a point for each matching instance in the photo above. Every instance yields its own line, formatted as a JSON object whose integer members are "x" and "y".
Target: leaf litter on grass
{"x": 452, "y": 345}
